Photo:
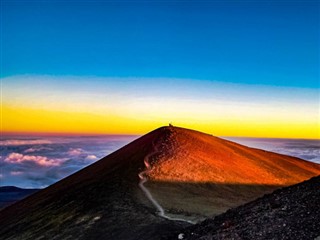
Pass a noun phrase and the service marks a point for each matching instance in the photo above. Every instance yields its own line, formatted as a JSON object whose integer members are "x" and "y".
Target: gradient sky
{"x": 230, "y": 68}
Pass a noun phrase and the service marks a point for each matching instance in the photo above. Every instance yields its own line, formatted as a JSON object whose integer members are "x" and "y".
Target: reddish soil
{"x": 191, "y": 156}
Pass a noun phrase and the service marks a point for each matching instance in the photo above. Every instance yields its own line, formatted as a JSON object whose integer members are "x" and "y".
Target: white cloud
{"x": 316, "y": 160}
{"x": 39, "y": 160}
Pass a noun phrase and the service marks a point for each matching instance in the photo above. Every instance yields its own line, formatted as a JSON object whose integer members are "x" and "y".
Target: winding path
{"x": 144, "y": 179}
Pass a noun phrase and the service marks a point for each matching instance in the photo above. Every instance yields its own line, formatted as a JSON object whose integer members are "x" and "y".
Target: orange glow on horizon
{"x": 49, "y": 122}
{"x": 89, "y": 105}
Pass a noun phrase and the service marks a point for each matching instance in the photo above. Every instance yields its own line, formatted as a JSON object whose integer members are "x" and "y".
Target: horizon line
{"x": 87, "y": 134}
{"x": 7, "y": 133}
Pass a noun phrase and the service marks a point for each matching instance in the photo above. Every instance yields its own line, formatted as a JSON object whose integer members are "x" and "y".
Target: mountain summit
{"x": 164, "y": 180}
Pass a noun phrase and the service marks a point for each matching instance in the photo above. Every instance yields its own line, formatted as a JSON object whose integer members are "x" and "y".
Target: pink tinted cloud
{"x": 75, "y": 151}
{"x": 23, "y": 142}
{"x": 16, "y": 173}
{"x": 91, "y": 157}
{"x": 37, "y": 149}
{"x": 39, "y": 160}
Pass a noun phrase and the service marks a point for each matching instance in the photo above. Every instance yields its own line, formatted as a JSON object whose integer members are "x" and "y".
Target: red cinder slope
{"x": 191, "y": 156}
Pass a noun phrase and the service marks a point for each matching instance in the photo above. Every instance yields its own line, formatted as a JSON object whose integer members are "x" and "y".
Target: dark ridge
{"x": 12, "y": 194}
{"x": 10, "y": 189}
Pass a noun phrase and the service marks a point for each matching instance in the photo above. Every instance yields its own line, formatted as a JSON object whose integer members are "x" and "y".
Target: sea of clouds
{"x": 307, "y": 149}
{"x": 39, "y": 161}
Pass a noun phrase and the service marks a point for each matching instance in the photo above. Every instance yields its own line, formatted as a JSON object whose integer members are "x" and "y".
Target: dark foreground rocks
{"x": 288, "y": 213}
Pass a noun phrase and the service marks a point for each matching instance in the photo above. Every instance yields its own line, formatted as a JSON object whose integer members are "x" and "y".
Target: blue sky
{"x": 229, "y": 68}
{"x": 267, "y": 42}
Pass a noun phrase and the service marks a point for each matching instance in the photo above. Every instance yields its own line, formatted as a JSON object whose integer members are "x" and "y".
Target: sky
{"x": 229, "y": 68}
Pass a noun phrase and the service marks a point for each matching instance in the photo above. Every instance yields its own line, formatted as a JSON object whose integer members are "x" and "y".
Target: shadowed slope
{"x": 289, "y": 213}
{"x": 104, "y": 200}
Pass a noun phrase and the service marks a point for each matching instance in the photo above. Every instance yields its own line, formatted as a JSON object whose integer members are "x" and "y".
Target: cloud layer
{"x": 15, "y": 142}
{"x": 304, "y": 149}
{"x": 36, "y": 162}
{"x": 18, "y": 158}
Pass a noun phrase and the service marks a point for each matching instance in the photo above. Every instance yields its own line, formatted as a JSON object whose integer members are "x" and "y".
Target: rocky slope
{"x": 288, "y": 213}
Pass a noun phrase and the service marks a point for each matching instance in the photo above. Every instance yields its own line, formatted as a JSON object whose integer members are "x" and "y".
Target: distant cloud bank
{"x": 304, "y": 149}
{"x": 23, "y": 142}
{"x": 36, "y": 162}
